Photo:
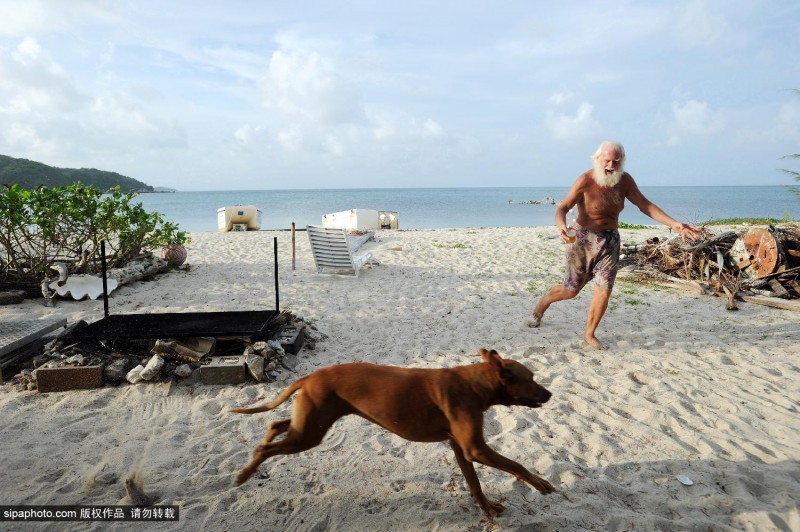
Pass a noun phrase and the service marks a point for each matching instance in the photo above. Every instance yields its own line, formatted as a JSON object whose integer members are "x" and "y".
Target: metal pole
{"x": 293, "y": 253}
{"x": 105, "y": 283}
{"x": 277, "y": 296}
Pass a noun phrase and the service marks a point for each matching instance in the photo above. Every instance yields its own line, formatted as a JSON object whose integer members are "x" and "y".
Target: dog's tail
{"x": 285, "y": 394}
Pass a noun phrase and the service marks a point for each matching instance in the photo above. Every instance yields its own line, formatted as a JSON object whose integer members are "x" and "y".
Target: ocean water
{"x": 430, "y": 208}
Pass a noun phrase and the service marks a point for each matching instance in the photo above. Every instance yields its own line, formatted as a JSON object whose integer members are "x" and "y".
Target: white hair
{"x": 616, "y": 146}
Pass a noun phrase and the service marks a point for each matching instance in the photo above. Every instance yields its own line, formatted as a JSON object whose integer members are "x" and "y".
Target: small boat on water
{"x": 239, "y": 218}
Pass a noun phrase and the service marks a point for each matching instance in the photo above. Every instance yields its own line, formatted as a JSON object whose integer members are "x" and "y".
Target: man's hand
{"x": 688, "y": 231}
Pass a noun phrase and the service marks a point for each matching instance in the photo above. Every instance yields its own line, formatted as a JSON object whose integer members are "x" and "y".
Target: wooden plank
{"x": 773, "y": 302}
{"x": 778, "y": 288}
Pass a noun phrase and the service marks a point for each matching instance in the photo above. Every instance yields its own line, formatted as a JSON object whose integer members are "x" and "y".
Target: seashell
{"x": 80, "y": 286}
{"x": 683, "y": 479}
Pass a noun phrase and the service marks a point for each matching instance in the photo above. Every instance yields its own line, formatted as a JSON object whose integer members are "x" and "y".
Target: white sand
{"x": 687, "y": 388}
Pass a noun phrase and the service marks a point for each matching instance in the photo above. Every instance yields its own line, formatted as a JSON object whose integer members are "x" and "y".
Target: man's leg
{"x": 557, "y": 293}
{"x": 597, "y": 309}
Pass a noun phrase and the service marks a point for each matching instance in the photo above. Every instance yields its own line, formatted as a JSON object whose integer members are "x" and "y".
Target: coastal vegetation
{"x": 31, "y": 174}
{"x": 44, "y": 226}
{"x": 722, "y": 221}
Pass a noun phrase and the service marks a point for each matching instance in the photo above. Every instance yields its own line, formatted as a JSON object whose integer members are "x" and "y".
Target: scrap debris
{"x": 169, "y": 359}
{"x": 757, "y": 265}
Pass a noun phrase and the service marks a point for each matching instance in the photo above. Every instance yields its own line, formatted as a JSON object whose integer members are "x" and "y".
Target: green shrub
{"x": 44, "y": 225}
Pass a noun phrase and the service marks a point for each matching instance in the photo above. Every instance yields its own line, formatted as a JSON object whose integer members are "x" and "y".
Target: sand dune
{"x": 686, "y": 388}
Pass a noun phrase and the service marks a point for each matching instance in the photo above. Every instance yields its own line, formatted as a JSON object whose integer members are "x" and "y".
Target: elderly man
{"x": 593, "y": 252}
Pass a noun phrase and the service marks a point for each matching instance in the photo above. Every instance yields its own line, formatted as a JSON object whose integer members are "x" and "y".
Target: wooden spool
{"x": 756, "y": 253}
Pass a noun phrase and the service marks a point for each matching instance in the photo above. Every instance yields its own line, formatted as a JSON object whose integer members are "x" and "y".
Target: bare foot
{"x": 534, "y": 322}
{"x": 594, "y": 342}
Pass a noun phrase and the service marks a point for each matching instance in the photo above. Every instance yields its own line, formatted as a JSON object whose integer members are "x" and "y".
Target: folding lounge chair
{"x": 331, "y": 249}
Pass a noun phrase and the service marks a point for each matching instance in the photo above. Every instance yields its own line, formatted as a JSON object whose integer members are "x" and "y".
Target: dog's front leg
{"x": 485, "y": 455}
{"x": 491, "y": 508}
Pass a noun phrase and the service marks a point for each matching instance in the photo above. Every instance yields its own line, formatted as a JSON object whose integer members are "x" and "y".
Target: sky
{"x": 254, "y": 95}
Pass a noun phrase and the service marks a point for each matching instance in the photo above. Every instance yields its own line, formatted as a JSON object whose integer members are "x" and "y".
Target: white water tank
{"x": 354, "y": 220}
{"x": 247, "y": 215}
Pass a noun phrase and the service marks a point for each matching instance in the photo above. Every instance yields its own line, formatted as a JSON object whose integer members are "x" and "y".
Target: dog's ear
{"x": 493, "y": 359}
{"x": 484, "y": 354}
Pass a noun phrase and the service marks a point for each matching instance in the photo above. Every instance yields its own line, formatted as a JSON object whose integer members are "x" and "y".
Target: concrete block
{"x": 224, "y": 370}
{"x": 291, "y": 339}
{"x": 69, "y": 378}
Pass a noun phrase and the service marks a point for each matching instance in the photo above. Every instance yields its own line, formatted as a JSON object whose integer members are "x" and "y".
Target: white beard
{"x": 607, "y": 180}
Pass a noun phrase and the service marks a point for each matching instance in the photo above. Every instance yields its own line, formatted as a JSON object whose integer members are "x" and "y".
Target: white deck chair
{"x": 331, "y": 249}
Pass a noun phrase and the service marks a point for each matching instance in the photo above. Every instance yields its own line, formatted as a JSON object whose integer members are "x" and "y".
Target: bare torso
{"x": 598, "y": 208}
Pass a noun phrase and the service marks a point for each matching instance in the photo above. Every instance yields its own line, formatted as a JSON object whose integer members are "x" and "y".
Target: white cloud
{"x": 560, "y": 98}
{"x": 305, "y": 87}
{"x": 246, "y": 134}
{"x": 697, "y": 25}
{"x": 290, "y": 139}
{"x": 693, "y": 120}
{"x": 580, "y": 126}
{"x": 32, "y": 82}
{"x": 22, "y": 18}
{"x": 787, "y": 122}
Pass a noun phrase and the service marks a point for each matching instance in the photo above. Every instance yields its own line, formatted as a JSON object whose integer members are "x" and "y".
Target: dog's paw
{"x": 543, "y": 486}
{"x": 492, "y": 508}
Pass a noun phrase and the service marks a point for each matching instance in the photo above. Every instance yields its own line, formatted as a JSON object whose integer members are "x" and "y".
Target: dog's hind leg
{"x": 304, "y": 430}
{"x": 491, "y": 508}
{"x": 275, "y": 429}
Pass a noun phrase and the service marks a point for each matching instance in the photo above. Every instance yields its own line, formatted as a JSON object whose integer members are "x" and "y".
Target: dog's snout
{"x": 544, "y": 394}
{"x": 547, "y": 394}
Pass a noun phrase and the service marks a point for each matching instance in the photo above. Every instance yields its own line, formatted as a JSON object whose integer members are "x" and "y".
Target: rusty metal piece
{"x": 756, "y": 253}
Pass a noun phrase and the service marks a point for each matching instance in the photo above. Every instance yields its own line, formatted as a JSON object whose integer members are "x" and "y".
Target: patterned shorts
{"x": 594, "y": 254}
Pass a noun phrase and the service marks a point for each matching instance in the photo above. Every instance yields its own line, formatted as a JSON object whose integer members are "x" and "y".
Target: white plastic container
{"x": 354, "y": 220}
{"x": 247, "y": 215}
{"x": 389, "y": 219}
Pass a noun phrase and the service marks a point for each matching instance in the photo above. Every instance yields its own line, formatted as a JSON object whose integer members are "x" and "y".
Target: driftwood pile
{"x": 757, "y": 265}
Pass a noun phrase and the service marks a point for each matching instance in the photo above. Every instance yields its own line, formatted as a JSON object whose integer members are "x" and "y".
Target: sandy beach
{"x": 686, "y": 388}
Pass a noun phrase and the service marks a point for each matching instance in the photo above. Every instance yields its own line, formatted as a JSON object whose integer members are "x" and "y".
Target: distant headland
{"x": 30, "y": 174}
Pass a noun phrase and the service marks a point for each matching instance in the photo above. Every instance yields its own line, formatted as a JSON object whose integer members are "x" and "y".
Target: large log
{"x": 773, "y": 302}
{"x": 138, "y": 269}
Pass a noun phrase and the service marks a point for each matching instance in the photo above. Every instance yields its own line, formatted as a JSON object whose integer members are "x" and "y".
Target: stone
{"x": 255, "y": 366}
{"x": 183, "y": 371}
{"x": 115, "y": 371}
{"x": 290, "y": 362}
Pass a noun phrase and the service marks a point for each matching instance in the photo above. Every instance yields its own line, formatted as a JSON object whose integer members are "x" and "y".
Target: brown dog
{"x": 424, "y": 405}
